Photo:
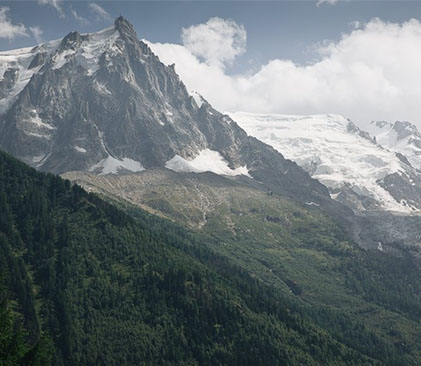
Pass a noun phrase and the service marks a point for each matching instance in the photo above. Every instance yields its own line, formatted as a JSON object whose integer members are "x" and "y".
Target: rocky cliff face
{"x": 103, "y": 102}
{"x": 99, "y": 99}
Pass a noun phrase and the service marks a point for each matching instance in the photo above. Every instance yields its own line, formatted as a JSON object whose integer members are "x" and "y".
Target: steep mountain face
{"x": 359, "y": 172}
{"x": 103, "y": 102}
{"x": 402, "y": 137}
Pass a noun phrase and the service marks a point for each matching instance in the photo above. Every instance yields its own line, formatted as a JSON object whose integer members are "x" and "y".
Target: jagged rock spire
{"x": 125, "y": 28}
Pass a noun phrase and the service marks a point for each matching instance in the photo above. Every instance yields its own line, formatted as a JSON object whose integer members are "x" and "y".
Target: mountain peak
{"x": 71, "y": 41}
{"x": 124, "y": 27}
{"x": 405, "y": 129}
{"x": 121, "y": 20}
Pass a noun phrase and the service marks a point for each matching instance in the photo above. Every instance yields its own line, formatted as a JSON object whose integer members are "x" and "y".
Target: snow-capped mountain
{"x": 402, "y": 137}
{"x": 104, "y": 103}
{"x": 333, "y": 150}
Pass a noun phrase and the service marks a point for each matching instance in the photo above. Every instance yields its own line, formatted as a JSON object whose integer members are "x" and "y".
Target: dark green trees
{"x": 113, "y": 290}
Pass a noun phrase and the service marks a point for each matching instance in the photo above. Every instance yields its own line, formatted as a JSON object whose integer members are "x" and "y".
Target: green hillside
{"x": 109, "y": 289}
{"x": 297, "y": 250}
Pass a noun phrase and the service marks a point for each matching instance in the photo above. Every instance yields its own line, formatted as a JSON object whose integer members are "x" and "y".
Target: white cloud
{"x": 370, "y": 74}
{"x": 100, "y": 12}
{"x": 330, "y": 2}
{"x": 7, "y": 29}
{"x": 37, "y": 33}
{"x": 56, "y": 4}
{"x": 79, "y": 18}
{"x": 217, "y": 42}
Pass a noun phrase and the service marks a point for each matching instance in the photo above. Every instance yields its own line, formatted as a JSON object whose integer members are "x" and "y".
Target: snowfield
{"x": 331, "y": 150}
{"x": 402, "y": 137}
{"x": 111, "y": 165}
{"x": 207, "y": 161}
{"x": 19, "y": 61}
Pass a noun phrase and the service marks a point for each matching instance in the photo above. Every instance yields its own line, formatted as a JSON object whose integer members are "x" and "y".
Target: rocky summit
{"x": 104, "y": 103}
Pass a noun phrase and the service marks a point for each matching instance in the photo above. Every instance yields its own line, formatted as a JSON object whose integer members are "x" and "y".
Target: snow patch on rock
{"x": 90, "y": 50}
{"x": 80, "y": 149}
{"x": 198, "y": 99}
{"x": 34, "y": 119}
{"x": 20, "y": 60}
{"x": 207, "y": 161}
{"x": 101, "y": 88}
{"x": 60, "y": 59}
{"x": 38, "y": 135}
{"x": 111, "y": 165}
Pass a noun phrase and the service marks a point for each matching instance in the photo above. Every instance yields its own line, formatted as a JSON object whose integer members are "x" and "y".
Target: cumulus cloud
{"x": 370, "y": 74}
{"x": 100, "y": 12}
{"x": 7, "y": 28}
{"x": 56, "y": 4}
{"x": 37, "y": 33}
{"x": 218, "y": 41}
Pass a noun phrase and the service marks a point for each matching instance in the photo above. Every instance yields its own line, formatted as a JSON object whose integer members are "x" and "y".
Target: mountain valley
{"x": 179, "y": 235}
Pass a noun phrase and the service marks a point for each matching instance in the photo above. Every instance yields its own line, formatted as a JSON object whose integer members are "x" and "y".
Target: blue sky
{"x": 275, "y": 29}
{"x": 360, "y": 59}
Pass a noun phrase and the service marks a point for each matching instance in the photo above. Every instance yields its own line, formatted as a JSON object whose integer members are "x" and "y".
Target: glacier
{"x": 333, "y": 150}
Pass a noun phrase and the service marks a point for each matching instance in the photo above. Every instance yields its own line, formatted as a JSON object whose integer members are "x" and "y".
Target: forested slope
{"x": 109, "y": 289}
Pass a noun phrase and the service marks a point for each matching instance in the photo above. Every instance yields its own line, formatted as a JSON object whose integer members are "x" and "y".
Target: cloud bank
{"x": 7, "y": 28}
{"x": 372, "y": 73}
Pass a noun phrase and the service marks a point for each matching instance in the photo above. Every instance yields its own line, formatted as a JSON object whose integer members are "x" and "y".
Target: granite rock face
{"x": 103, "y": 102}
